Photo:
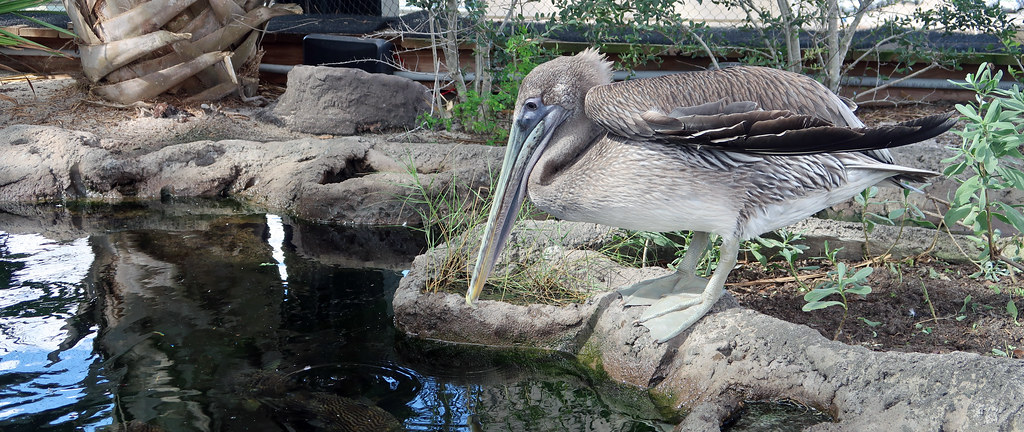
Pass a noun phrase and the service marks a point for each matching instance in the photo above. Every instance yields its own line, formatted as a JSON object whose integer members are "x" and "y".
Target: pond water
{"x": 175, "y": 317}
{"x": 215, "y": 317}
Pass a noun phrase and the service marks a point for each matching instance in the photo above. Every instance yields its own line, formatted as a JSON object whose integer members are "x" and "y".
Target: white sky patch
{"x": 50, "y": 261}
{"x": 51, "y": 269}
{"x": 276, "y": 227}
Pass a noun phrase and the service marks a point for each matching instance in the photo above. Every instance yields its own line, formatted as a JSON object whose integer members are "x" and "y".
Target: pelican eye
{"x": 533, "y": 112}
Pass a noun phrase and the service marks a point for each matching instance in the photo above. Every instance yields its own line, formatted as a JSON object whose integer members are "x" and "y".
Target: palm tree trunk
{"x": 138, "y": 49}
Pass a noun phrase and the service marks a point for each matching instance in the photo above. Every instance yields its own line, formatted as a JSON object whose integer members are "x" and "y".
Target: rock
{"x": 897, "y": 242}
{"x": 756, "y": 356}
{"x": 489, "y": 322}
{"x": 731, "y": 355}
{"x": 347, "y": 180}
{"x": 344, "y": 101}
{"x": 43, "y": 163}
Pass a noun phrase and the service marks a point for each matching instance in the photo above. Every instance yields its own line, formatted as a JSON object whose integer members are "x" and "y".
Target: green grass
{"x": 453, "y": 215}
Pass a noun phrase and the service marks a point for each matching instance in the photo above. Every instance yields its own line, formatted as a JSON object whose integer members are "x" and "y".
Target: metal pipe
{"x": 32, "y": 52}
{"x": 921, "y": 83}
{"x": 275, "y": 68}
{"x": 429, "y": 76}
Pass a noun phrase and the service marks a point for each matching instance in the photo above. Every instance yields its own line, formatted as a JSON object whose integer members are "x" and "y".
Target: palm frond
{"x": 8, "y": 39}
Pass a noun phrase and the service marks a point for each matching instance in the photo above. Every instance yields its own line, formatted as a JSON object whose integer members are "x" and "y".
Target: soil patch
{"x": 138, "y": 128}
{"x": 925, "y": 306}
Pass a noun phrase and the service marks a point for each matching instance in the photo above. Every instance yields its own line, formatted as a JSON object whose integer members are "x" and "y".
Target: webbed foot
{"x": 671, "y": 315}
{"x": 650, "y": 291}
{"x": 690, "y": 297}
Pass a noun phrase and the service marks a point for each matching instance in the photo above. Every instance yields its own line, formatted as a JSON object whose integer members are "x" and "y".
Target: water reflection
{"x": 47, "y": 363}
{"x": 214, "y": 319}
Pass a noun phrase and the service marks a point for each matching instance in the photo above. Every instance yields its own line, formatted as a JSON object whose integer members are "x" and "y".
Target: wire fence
{"x": 53, "y": 6}
{"x": 710, "y": 12}
{"x": 715, "y": 12}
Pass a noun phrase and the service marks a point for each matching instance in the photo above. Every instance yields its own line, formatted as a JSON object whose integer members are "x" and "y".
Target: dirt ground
{"x": 925, "y": 306}
{"x": 137, "y": 128}
{"x": 922, "y": 306}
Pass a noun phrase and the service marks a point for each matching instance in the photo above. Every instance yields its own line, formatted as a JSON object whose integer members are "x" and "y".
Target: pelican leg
{"x": 669, "y": 316}
{"x": 683, "y": 282}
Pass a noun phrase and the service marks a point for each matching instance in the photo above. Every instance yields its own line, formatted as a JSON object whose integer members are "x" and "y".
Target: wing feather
{"x": 743, "y": 125}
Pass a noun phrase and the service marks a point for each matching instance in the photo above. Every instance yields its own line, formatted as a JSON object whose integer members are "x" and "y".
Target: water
{"x": 176, "y": 317}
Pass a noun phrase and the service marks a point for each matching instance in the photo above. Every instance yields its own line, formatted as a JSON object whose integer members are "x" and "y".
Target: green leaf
{"x": 993, "y": 111}
{"x": 924, "y": 224}
{"x": 967, "y": 301}
{"x": 954, "y": 169}
{"x": 859, "y": 290}
{"x": 1013, "y": 216}
{"x": 818, "y": 294}
{"x": 840, "y": 270}
{"x": 863, "y": 273}
{"x": 820, "y": 305}
{"x": 969, "y": 112}
{"x": 967, "y": 190}
{"x": 869, "y": 322}
{"x": 10, "y": 39}
{"x": 955, "y": 214}
{"x": 759, "y": 257}
{"x": 1013, "y": 176}
{"x": 9, "y": 6}
{"x": 1011, "y": 308}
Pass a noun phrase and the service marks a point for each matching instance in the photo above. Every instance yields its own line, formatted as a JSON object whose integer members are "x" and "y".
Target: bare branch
{"x": 897, "y": 81}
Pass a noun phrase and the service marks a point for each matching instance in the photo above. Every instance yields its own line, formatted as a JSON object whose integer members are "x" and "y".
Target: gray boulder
{"x": 344, "y": 101}
{"x": 346, "y": 180}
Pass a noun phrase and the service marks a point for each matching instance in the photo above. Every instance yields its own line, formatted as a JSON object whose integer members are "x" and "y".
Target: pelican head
{"x": 549, "y": 96}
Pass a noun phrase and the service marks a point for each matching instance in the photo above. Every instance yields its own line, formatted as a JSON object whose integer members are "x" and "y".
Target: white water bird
{"x": 734, "y": 152}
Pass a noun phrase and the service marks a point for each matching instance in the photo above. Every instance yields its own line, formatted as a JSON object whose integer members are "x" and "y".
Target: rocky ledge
{"x": 345, "y": 179}
{"x": 731, "y": 355}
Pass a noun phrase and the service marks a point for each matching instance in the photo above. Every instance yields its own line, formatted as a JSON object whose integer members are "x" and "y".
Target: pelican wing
{"x": 743, "y": 127}
{"x": 766, "y": 88}
{"x": 793, "y": 135}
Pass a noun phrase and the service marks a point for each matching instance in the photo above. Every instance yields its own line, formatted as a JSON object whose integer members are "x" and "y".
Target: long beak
{"x": 531, "y": 130}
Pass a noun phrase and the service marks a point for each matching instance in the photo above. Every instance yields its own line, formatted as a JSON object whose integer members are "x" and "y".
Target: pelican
{"x": 734, "y": 152}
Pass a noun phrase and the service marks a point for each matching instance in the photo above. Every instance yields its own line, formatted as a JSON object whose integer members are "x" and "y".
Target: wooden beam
{"x": 35, "y": 32}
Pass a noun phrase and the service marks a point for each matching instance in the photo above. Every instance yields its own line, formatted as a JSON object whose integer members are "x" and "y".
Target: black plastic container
{"x": 371, "y": 55}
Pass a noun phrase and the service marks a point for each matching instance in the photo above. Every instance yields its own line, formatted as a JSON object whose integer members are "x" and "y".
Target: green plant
{"x": 871, "y": 325}
{"x": 641, "y": 248}
{"x": 467, "y": 114}
{"x": 962, "y": 313}
{"x": 432, "y": 122}
{"x": 521, "y": 53}
{"x": 990, "y": 156}
{"x": 1011, "y": 304}
{"x": 483, "y": 109}
{"x": 1007, "y": 350}
{"x": 906, "y": 213}
{"x": 448, "y": 211}
{"x": 555, "y": 281}
{"x": 842, "y": 283}
{"x": 625, "y": 28}
{"x": 784, "y": 246}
